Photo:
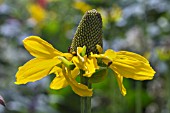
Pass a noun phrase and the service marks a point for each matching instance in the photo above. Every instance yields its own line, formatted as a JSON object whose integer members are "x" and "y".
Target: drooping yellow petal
{"x": 79, "y": 50}
{"x": 88, "y": 64}
{"x": 78, "y": 88}
{"x": 78, "y": 62}
{"x": 35, "y": 69}
{"x": 91, "y": 66}
{"x": 120, "y": 83}
{"x": 131, "y": 65}
{"x": 59, "y": 81}
{"x": 75, "y": 72}
{"x": 40, "y": 48}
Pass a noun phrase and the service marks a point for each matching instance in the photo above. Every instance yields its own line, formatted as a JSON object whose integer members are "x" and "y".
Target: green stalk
{"x": 85, "y": 101}
{"x": 138, "y": 97}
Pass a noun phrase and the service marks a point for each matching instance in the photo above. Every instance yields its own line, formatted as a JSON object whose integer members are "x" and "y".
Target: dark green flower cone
{"x": 89, "y": 32}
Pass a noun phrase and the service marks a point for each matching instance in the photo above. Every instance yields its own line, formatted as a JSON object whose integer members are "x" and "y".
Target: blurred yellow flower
{"x": 104, "y": 15}
{"x": 163, "y": 53}
{"x": 37, "y": 12}
{"x": 116, "y": 13}
{"x": 82, "y": 6}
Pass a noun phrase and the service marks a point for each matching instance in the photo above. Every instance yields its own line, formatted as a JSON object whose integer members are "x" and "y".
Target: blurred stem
{"x": 168, "y": 90}
{"x": 138, "y": 97}
{"x": 85, "y": 101}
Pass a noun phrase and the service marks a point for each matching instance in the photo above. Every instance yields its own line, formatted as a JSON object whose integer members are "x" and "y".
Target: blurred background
{"x": 141, "y": 26}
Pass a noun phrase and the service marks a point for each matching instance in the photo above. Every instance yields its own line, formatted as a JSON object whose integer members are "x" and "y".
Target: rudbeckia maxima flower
{"x": 48, "y": 60}
{"x": 85, "y": 58}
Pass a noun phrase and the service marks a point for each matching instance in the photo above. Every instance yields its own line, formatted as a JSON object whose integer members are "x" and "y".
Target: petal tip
{"x": 17, "y": 83}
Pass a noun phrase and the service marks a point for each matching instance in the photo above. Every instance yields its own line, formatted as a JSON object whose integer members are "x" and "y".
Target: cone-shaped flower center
{"x": 89, "y": 32}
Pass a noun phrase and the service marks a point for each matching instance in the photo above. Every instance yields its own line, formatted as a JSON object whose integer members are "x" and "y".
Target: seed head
{"x": 89, "y": 32}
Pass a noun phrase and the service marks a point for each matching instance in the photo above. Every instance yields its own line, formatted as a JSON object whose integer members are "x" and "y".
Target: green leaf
{"x": 99, "y": 75}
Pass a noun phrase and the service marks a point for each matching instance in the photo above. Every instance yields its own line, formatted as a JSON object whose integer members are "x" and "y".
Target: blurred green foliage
{"x": 135, "y": 25}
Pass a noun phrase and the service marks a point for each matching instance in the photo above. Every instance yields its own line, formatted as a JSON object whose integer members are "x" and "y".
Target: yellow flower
{"x": 37, "y": 12}
{"x": 49, "y": 60}
{"x": 67, "y": 66}
{"x": 163, "y": 53}
{"x": 82, "y": 6}
{"x": 116, "y": 13}
{"x": 126, "y": 64}
{"x": 85, "y": 59}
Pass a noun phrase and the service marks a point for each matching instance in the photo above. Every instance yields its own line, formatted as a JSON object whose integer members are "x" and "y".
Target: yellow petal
{"x": 131, "y": 65}
{"x": 35, "y": 69}
{"x": 109, "y": 55}
{"x": 120, "y": 83}
{"x": 59, "y": 81}
{"x": 78, "y": 62}
{"x": 75, "y": 72}
{"x": 40, "y": 48}
{"x": 78, "y": 88}
{"x": 98, "y": 55}
{"x": 67, "y": 55}
{"x": 56, "y": 70}
{"x": 131, "y": 56}
{"x": 99, "y": 48}
{"x": 91, "y": 66}
{"x": 79, "y": 50}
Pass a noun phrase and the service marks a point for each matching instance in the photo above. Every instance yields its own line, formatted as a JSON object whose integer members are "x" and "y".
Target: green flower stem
{"x": 67, "y": 63}
{"x": 85, "y": 101}
{"x": 138, "y": 97}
